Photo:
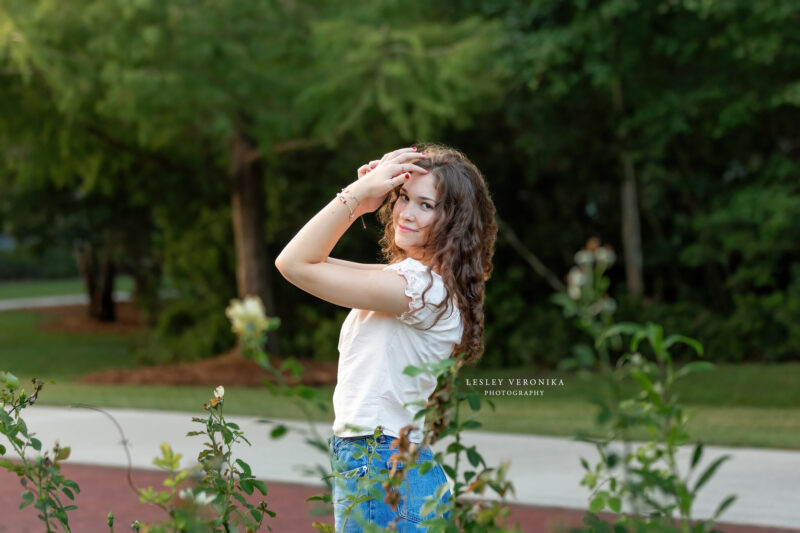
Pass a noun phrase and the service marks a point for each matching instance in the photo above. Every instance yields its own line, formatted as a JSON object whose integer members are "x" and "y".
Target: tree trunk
{"x": 147, "y": 280}
{"x": 631, "y": 228}
{"x": 98, "y": 280}
{"x": 106, "y": 291}
{"x": 253, "y": 275}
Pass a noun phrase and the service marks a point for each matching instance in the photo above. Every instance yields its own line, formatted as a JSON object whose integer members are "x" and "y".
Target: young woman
{"x": 424, "y": 305}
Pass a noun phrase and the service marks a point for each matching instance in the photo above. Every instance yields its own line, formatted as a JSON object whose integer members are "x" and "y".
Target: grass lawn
{"x": 737, "y": 405}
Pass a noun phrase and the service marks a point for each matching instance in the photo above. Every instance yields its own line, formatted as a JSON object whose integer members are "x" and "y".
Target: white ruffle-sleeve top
{"x": 374, "y": 348}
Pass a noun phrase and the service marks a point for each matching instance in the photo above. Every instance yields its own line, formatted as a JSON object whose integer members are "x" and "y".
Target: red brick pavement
{"x": 106, "y": 488}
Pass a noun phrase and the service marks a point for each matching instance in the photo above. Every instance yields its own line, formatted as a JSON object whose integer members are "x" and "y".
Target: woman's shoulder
{"x": 409, "y": 263}
{"x": 427, "y": 294}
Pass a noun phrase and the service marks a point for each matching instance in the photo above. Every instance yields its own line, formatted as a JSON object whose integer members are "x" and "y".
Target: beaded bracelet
{"x": 341, "y": 197}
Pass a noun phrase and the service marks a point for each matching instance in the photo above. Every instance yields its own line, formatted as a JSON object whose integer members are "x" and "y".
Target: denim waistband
{"x": 334, "y": 442}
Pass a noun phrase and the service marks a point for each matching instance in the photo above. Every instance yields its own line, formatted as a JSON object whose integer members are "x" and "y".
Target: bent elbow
{"x": 282, "y": 266}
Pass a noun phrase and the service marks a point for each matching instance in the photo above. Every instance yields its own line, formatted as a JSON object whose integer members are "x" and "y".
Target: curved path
{"x": 545, "y": 470}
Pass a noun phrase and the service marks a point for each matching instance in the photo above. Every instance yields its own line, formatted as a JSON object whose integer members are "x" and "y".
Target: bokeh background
{"x": 170, "y": 149}
{"x": 155, "y": 157}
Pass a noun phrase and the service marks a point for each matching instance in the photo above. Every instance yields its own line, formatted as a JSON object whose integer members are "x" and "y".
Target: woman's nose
{"x": 407, "y": 212}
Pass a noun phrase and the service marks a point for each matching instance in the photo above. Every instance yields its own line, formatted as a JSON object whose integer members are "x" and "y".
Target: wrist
{"x": 356, "y": 195}
{"x": 356, "y": 190}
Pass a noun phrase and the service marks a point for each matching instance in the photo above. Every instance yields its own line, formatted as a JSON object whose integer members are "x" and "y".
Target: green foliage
{"x": 116, "y": 112}
{"x": 45, "y": 487}
{"x": 647, "y": 477}
{"x": 21, "y": 263}
{"x": 216, "y": 501}
{"x": 518, "y": 332}
{"x": 448, "y": 412}
{"x": 316, "y": 335}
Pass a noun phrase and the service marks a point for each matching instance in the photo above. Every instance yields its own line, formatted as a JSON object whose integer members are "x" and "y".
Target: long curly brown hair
{"x": 461, "y": 240}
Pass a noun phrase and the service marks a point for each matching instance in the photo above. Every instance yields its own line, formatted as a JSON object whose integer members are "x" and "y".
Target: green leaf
{"x": 682, "y": 339}
{"x": 710, "y": 472}
{"x": 428, "y": 507}
{"x": 615, "y": 504}
{"x": 623, "y": 328}
{"x": 11, "y": 380}
{"x": 598, "y": 502}
{"x": 63, "y": 454}
{"x": 27, "y": 499}
{"x": 413, "y": 371}
{"x": 246, "y": 472}
{"x": 474, "y": 401}
{"x": 278, "y": 431}
{"x": 724, "y": 505}
{"x": 260, "y": 486}
{"x": 474, "y": 457}
{"x": 698, "y": 452}
{"x": 693, "y": 368}
{"x": 647, "y": 385}
{"x": 247, "y": 485}
{"x": 36, "y": 444}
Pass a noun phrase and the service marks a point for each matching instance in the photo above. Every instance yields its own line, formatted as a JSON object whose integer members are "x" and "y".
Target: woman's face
{"x": 414, "y": 213}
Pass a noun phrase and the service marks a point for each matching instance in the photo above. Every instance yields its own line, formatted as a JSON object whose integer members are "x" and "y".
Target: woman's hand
{"x": 378, "y": 178}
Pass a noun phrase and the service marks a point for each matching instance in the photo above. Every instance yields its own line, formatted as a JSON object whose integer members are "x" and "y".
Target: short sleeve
{"x": 417, "y": 281}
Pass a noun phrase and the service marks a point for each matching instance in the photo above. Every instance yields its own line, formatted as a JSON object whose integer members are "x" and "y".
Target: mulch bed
{"x": 230, "y": 367}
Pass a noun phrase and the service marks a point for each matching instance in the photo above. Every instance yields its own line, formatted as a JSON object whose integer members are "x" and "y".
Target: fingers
{"x": 407, "y": 167}
{"x": 391, "y": 155}
{"x": 407, "y": 157}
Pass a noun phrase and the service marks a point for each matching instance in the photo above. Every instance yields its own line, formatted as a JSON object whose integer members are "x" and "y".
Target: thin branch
{"x": 529, "y": 257}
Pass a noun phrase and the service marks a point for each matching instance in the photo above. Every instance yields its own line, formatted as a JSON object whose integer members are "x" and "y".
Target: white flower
{"x": 247, "y": 316}
{"x": 201, "y": 498}
{"x": 576, "y": 277}
{"x": 575, "y": 280}
{"x": 219, "y": 392}
{"x": 584, "y": 257}
{"x": 605, "y": 256}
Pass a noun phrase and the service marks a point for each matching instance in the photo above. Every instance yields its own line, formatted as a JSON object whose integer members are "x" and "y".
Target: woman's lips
{"x": 403, "y": 228}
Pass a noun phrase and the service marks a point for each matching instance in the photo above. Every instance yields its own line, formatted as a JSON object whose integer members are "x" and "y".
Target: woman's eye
{"x": 426, "y": 205}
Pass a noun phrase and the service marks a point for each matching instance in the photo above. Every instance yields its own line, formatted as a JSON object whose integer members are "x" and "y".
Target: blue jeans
{"x": 373, "y": 509}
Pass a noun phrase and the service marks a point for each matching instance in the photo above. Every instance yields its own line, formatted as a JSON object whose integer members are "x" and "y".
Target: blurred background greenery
{"x": 189, "y": 141}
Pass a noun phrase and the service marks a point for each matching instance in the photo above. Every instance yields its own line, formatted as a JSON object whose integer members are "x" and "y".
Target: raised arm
{"x": 304, "y": 260}
{"x": 351, "y": 264}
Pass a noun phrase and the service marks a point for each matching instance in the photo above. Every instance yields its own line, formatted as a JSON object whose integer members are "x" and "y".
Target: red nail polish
{"x": 413, "y": 147}
{"x": 408, "y": 176}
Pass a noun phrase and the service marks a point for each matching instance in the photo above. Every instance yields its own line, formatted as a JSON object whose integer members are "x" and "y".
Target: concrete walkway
{"x": 545, "y": 471}
{"x": 54, "y": 301}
